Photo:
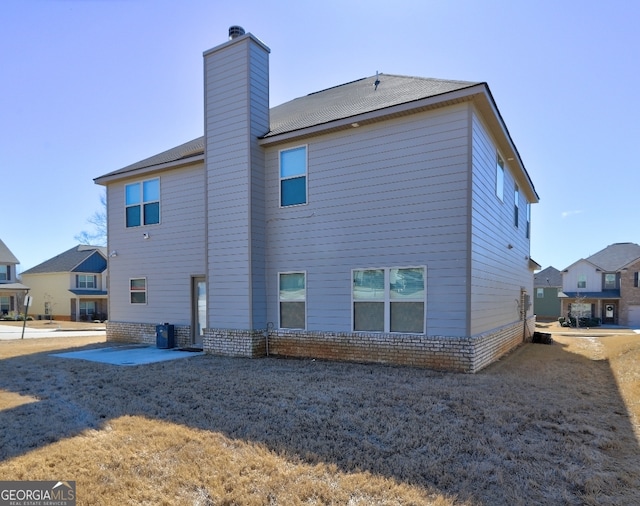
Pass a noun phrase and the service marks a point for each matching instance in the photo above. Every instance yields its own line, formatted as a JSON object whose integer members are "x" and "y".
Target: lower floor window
{"x": 292, "y": 299}
{"x": 389, "y": 299}
{"x": 87, "y": 308}
{"x": 5, "y": 305}
{"x": 138, "y": 290}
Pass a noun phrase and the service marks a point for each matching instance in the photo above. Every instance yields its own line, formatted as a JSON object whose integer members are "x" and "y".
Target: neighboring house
{"x": 11, "y": 291}
{"x": 546, "y": 303}
{"x": 70, "y": 286}
{"x": 604, "y": 285}
{"x": 382, "y": 220}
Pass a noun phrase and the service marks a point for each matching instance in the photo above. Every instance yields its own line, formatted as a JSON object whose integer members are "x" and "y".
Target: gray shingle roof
{"x": 354, "y": 98}
{"x": 616, "y": 256}
{"x": 547, "y": 277}
{"x": 339, "y": 102}
{"x": 65, "y": 262}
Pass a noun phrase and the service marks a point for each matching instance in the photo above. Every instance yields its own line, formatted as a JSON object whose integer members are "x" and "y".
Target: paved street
{"x": 8, "y": 332}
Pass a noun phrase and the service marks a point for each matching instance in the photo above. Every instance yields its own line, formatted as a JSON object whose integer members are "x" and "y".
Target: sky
{"x": 90, "y": 86}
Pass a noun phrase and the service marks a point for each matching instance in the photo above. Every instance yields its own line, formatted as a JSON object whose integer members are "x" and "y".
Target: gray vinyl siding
{"x": 498, "y": 272}
{"x": 173, "y": 253}
{"x": 236, "y": 113}
{"x": 385, "y": 195}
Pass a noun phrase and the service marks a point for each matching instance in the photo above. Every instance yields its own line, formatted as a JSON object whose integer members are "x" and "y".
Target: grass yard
{"x": 548, "y": 424}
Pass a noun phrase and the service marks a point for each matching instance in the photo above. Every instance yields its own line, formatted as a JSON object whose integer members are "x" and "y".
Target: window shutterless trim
{"x": 296, "y": 176}
{"x": 145, "y": 290}
{"x": 142, "y": 204}
{"x": 387, "y": 300}
{"x": 280, "y": 301}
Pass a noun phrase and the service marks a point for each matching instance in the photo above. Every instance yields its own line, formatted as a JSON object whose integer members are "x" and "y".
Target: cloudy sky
{"x": 89, "y": 86}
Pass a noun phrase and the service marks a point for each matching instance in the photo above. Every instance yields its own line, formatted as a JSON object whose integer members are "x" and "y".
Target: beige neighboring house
{"x": 11, "y": 292}
{"x": 71, "y": 286}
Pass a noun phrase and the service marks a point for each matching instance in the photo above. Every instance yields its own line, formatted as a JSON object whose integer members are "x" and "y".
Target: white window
{"x": 389, "y": 299}
{"x": 582, "y": 281}
{"x": 516, "y": 198}
{"x": 142, "y": 203}
{"x": 86, "y": 281}
{"x": 528, "y": 220}
{"x": 87, "y": 308}
{"x": 292, "y": 296}
{"x": 610, "y": 281}
{"x": 499, "y": 177}
{"x": 5, "y": 272}
{"x": 540, "y": 293}
{"x": 138, "y": 290}
{"x": 5, "y": 305}
{"x": 293, "y": 176}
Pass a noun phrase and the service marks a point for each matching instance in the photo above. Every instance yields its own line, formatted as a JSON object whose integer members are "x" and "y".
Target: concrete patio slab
{"x": 135, "y": 354}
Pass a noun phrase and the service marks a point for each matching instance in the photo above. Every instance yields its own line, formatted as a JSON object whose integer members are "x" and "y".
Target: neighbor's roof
{"x": 615, "y": 257}
{"x": 339, "y": 102}
{"x": 6, "y": 256}
{"x": 548, "y": 277}
{"x": 71, "y": 260}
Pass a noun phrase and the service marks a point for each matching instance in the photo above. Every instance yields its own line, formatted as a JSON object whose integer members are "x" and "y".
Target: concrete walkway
{"x": 133, "y": 354}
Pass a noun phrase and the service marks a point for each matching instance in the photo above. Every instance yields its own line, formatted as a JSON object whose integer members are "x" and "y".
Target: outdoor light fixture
{"x": 114, "y": 253}
{"x": 145, "y": 235}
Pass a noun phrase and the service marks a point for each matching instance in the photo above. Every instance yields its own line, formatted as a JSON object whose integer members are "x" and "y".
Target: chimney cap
{"x": 235, "y": 31}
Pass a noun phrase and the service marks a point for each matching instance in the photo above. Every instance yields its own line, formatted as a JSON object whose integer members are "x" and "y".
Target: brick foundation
{"x": 466, "y": 354}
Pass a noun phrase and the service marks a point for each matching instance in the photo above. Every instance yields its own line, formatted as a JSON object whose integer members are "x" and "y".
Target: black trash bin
{"x": 165, "y": 336}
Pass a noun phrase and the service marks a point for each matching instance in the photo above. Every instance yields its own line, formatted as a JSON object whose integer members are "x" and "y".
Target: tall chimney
{"x": 235, "y": 31}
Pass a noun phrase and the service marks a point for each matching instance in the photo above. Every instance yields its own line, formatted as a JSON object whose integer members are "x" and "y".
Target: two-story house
{"x": 11, "y": 291}
{"x": 71, "y": 286}
{"x": 604, "y": 285}
{"x": 384, "y": 220}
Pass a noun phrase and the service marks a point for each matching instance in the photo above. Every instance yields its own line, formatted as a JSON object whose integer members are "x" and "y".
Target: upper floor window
{"x": 5, "y": 272}
{"x": 528, "y": 220}
{"x": 609, "y": 281}
{"x": 499, "y": 177}
{"x": 540, "y": 293}
{"x": 292, "y": 298}
{"x": 582, "y": 281}
{"x": 293, "y": 176}
{"x": 142, "y": 202}
{"x": 86, "y": 281}
{"x": 389, "y": 300}
{"x": 138, "y": 290}
{"x": 516, "y": 198}
{"x": 636, "y": 280}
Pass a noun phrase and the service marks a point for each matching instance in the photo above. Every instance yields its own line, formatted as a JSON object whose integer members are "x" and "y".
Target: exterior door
{"x": 198, "y": 309}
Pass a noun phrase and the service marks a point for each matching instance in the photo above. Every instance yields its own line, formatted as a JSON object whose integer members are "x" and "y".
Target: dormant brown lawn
{"x": 548, "y": 424}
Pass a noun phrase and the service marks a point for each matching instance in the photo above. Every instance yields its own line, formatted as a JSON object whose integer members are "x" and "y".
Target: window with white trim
{"x": 292, "y": 297}
{"x": 87, "y": 308}
{"x": 389, "y": 299}
{"x": 5, "y": 272}
{"x": 293, "y": 176}
{"x": 499, "y": 177}
{"x": 142, "y": 203}
{"x": 582, "y": 281}
{"x": 516, "y": 199}
{"x": 86, "y": 281}
{"x": 540, "y": 293}
{"x": 528, "y": 233}
{"x": 138, "y": 290}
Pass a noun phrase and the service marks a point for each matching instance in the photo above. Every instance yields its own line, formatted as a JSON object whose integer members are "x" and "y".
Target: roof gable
{"x": 6, "y": 257}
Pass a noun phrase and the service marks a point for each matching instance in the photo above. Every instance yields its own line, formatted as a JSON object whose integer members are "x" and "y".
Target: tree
{"x": 99, "y": 221}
